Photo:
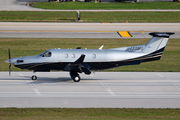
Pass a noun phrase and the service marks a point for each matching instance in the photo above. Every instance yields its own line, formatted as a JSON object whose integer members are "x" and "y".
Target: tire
{"x": 34, "y": 77}
{"x": 77, "y": 78}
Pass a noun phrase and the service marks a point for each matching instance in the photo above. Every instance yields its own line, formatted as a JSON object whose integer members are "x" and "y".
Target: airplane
{"x": 86, "y": 60}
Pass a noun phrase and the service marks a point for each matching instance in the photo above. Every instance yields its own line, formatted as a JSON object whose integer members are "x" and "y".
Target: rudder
{"x": 157, "y": 42}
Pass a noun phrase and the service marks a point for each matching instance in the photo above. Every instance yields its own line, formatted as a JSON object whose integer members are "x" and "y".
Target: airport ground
{"x": 99, "y": 90}
{"x": 56, "y": 89}
{"x": 84, "y": 30}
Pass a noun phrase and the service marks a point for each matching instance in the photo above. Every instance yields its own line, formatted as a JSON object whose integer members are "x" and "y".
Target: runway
{"x": 83, "y": 30}
{"x": 99, "y": 90}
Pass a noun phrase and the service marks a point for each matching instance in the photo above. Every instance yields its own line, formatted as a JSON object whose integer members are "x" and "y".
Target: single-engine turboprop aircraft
{"x": 85, "y": 60}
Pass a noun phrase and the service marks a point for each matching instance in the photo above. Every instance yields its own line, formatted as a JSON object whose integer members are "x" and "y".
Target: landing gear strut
{"x": 75, "y": 76}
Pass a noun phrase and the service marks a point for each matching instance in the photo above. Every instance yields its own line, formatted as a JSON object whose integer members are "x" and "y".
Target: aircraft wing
{"x": 78, "y": 66}
{"x": 79, "y": 60}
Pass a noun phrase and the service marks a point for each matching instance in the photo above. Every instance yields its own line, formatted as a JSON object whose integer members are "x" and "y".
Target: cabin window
{"x": 66, "y": 55}
{"x": 73, "y": 56}
{"x": 94, "y": 56}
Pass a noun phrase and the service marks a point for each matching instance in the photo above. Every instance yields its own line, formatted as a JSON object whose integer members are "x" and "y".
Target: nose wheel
{"x": 34, "y": 77}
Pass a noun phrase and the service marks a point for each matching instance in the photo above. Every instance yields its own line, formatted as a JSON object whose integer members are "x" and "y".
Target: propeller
{"x": 9, "y": 61}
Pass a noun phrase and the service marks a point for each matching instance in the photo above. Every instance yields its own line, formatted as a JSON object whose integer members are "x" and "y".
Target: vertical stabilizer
{"x": 157, "y": 42}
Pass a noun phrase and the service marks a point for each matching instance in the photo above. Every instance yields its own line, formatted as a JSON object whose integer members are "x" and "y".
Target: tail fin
{"x": 157, "y": 42}
{"x": 155, "y": 47}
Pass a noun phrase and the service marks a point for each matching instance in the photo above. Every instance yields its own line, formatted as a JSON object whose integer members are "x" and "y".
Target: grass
{"x": 107, "y": 6}
{"x": 29, "y": 16}
{"x": 170, "y": 61}
{"x": 132, "y": 17}
{"x": 137, "y": 17}
{"x": 88, "y": 113}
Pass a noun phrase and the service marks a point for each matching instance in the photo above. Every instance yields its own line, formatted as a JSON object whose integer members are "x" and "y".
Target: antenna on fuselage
{"x": 101, "y": 47}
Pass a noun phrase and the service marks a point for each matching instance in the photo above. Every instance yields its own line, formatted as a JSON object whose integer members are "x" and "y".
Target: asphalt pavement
{"x": 99, "y": 90}
{"x": 84, "y": 30}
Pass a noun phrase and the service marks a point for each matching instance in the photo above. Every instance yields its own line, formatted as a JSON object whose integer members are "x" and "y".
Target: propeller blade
{"x": 9, "y": 61}
{"x": 9, "y": 69}
{"x": 9, "y": 53}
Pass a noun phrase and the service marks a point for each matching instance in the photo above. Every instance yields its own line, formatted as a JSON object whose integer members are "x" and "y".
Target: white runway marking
{"x": 32, "y": 85}
{"x": 160, "y": 75}
{"x": 105, "y": 86}
{"x": 174, "y": 82}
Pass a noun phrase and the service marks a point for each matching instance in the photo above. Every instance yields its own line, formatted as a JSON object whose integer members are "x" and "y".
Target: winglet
{"x": 161, "y": 34}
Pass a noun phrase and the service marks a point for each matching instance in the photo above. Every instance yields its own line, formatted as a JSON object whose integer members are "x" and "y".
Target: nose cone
{"x": 8, "y": 61}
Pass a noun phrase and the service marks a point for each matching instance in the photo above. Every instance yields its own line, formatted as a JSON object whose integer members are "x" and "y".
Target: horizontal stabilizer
{"x": 161, "y": 34}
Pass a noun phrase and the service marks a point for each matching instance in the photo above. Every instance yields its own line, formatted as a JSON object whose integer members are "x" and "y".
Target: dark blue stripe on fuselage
{"x": 93, "y": 65}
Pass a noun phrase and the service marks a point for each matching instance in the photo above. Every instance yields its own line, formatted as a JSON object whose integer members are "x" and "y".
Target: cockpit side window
{"x": 46, "y": 54}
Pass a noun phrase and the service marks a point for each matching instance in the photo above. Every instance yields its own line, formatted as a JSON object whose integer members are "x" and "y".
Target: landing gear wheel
{"x": 75, "y": 76}
{"x": 34, "y": 77}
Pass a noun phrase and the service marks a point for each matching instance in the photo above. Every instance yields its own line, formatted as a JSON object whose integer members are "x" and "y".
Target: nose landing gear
{"x": 34, "y": 77}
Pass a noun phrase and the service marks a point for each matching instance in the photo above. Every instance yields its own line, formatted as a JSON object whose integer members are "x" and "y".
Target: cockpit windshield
{"x": 46, "y": 54}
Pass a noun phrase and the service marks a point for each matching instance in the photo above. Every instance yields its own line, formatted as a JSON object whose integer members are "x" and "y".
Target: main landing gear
{"x": 75, "y": 76}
